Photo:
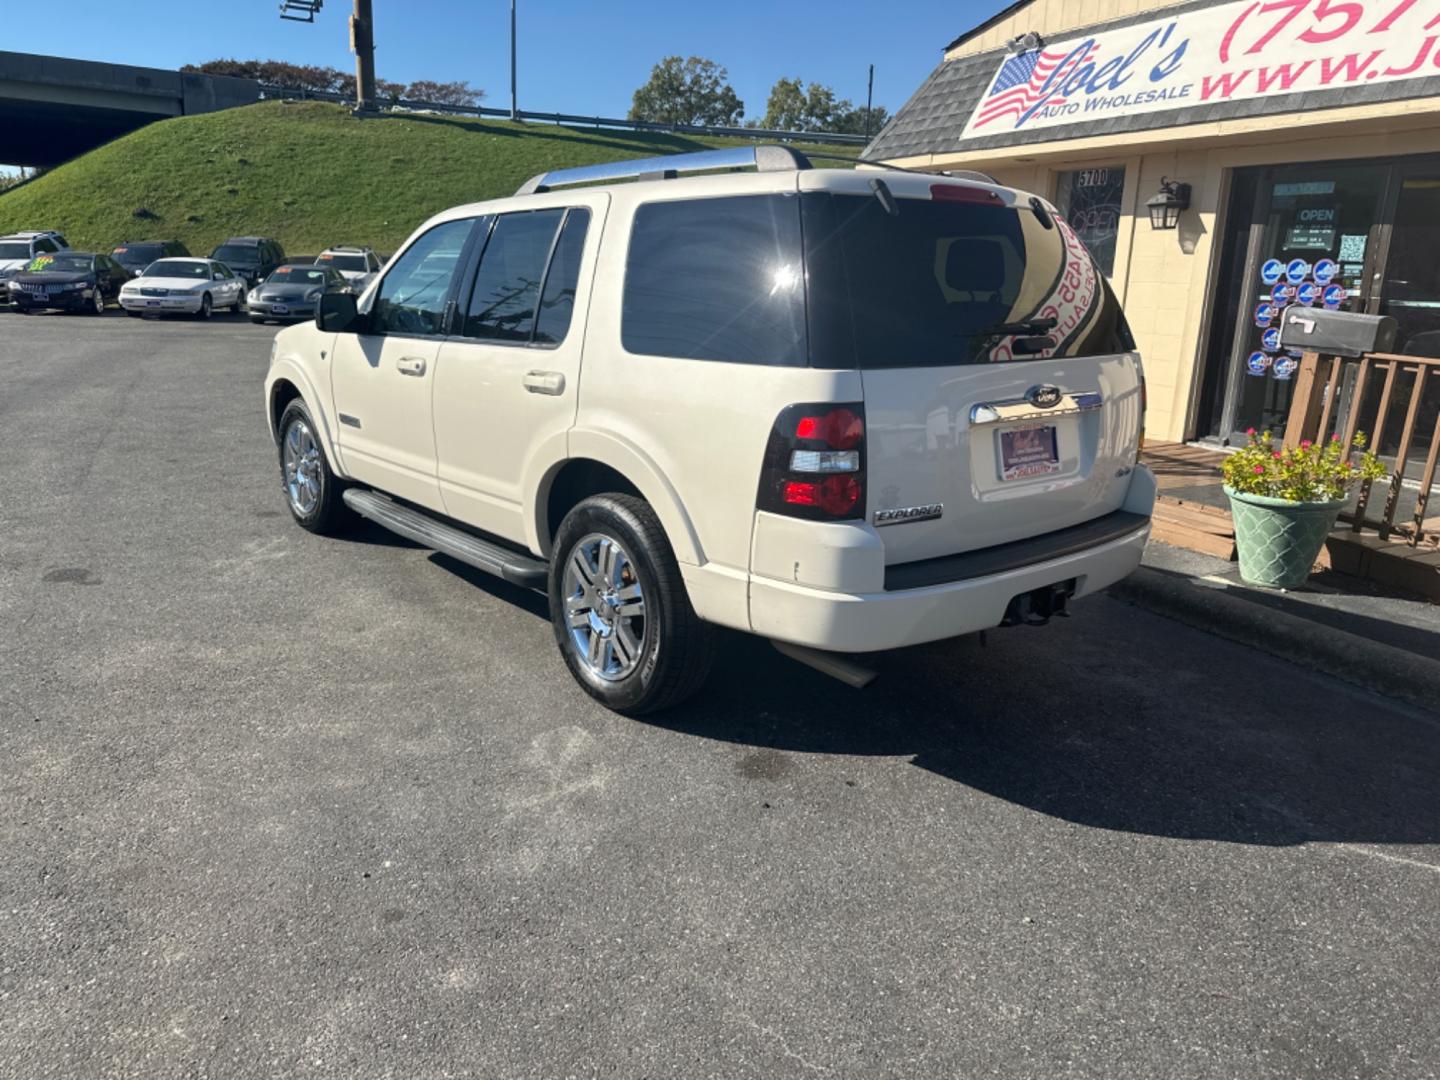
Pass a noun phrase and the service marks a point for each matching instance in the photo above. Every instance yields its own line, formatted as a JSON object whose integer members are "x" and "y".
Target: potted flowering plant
{"x": 1285, "y": 502}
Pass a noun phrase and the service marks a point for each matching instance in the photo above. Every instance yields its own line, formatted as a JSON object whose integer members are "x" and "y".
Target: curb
{"x": 1383, "y": 669}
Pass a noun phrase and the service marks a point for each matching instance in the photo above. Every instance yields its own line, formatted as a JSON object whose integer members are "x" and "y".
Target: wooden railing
{"x": 1326, "y": 396}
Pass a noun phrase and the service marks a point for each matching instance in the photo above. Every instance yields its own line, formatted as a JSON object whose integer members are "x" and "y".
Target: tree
{"x": 334, "y": 81}
{"x": 853, "y": 122}
{"x": 692, "y": 91}
{"x": 793, "y": 107}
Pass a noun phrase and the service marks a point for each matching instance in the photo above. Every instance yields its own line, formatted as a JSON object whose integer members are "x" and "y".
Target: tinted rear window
{"x": 938, "y": 283}
{"x": 716, "y": 279}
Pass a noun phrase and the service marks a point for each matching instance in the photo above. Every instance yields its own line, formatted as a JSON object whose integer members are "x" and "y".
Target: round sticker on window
{"x": 1285, "y": 367}
{"x": 1325, "y": 271}
{"x": 1307, "y": 294}
{"x": 1270, "y": 339}
{"x": 1297, "y": 271}
{"x": 1272, "y": 271}
{"x": 1264, "y": 315}
{"x": 1258, "y": 363}
{"x": 1334, "y": 296}
{"x": 1282, "y": 294}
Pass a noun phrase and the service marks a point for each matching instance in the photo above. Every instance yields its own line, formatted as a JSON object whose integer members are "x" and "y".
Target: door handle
{"x": 545, "y": 382}
{"x": 411, "y": 365}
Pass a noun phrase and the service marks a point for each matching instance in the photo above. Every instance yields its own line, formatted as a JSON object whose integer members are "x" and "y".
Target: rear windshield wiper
{"x": 1030, "y": 326}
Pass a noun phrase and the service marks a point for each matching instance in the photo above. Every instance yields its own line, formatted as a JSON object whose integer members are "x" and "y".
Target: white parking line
{"x": 1359, "y": 850}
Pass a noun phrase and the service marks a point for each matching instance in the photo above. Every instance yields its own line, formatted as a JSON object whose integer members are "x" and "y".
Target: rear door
{"x": 383, "y": 377}
{"x": 509, "y": 377}
{"x": 1002, "y": 393}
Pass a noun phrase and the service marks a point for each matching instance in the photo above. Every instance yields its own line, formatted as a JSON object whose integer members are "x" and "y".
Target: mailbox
{"x": 1336, "y": 333}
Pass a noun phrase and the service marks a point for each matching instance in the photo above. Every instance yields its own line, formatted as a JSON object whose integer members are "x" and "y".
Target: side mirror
{"x": 336, "y": 313}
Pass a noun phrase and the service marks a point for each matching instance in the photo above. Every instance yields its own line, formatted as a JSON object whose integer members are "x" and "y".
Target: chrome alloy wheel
{"x": 302, "y": 468}
{"x": 604, "y": 607}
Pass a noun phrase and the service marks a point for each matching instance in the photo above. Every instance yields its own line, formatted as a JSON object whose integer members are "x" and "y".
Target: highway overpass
{"x": 53, "y": 109}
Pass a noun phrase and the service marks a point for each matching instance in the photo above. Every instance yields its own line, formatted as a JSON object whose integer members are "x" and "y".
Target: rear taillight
{"x": 815, "y": 463}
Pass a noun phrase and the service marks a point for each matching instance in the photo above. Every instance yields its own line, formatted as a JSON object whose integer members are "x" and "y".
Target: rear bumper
{"x": 872, "y": 617}
{"x": 869, "y": 622}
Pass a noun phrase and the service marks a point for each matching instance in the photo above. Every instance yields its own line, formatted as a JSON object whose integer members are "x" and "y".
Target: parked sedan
{"x": 184, "y": 286}
{"x": 68, "y": 281}
{"x": 290, "y": 293}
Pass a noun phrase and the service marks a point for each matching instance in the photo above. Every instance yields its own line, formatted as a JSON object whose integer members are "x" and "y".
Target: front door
{"x": 1313, "y": 242}
{"x": 507, "y": 383}
{"x": 383, "y": 377}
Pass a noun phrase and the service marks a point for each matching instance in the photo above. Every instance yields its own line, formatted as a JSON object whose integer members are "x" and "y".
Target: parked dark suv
{"x": 253, "y": 258}
{"x": 136, "y": 255}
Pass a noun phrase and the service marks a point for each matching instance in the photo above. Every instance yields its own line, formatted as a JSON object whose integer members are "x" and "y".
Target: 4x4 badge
{"x": 907, "y": 514}
{"x": 1045, "y": 397}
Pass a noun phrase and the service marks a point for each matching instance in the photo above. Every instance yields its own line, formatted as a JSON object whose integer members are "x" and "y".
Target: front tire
{"x": 618, "y": 606}
{"x": 312, "y": 490}
{"x": 241, "y": 302}
{"x": 98, "y": 307}
{"x": 206, "y": 306}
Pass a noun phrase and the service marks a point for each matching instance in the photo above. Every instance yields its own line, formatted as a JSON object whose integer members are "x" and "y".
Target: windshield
{"x": 12, "y": 249}
{"x": 352, "y": 263}
{"x": 138, "y": 254}
{"x": 236, "y": 253}
{"x": 950, "y": 282}
{"x": 60, "y": 264}
{"x": 297, "y": 275}
{"x": 181, "y": 268}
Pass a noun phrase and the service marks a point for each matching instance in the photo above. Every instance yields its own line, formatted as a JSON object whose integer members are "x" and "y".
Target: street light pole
{"x": 514, "y": 102}
{"x": 362, "y": 43}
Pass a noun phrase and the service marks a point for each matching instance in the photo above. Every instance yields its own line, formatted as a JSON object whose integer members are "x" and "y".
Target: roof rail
{"x": 761, "y": 158}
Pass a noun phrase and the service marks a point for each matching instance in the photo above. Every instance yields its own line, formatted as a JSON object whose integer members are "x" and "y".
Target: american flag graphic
{"x": 1020, "y": 80}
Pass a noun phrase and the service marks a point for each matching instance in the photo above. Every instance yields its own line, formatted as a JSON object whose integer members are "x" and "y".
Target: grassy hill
{"x": 306, "y": 173}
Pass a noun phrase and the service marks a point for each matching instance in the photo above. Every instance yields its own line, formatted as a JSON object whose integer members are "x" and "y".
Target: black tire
{"x": 206, "y": 307}
{"x": 329, "y": 516}
{"x": 241, "y": 302}
{"x": 676, "y": 646}
{"x": 98, "y": 307}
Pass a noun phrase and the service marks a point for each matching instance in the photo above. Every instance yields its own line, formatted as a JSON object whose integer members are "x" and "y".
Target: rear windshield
{"x": 939, "y": 283}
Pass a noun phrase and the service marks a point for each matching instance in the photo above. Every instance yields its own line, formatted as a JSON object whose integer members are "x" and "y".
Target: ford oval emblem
{"x": 1045, "y": 397}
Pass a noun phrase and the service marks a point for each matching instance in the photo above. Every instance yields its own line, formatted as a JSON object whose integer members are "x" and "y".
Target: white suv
{"x": 357, "y": 265}
{"x": 18, "y": 250}
{"x": 845, "y": 410}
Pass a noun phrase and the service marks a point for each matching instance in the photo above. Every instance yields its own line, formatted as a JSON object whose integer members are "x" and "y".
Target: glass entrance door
{"x": 1313, "y": 241}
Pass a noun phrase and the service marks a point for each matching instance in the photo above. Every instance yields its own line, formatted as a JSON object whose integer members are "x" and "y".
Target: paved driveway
{"x": 279, "y": 806}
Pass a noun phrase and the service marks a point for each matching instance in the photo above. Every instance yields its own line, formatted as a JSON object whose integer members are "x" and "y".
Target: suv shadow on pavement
{"x": 1116, "y": 719}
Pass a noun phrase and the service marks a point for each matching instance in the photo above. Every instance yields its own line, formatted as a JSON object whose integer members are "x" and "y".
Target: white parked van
{"x": 847, "y": 410}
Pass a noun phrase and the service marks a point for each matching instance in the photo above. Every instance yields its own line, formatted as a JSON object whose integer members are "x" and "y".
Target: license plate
{"x": 152, "y": 303}
{"x": 1029, "y": 451}
{"x": 280, "y": 309}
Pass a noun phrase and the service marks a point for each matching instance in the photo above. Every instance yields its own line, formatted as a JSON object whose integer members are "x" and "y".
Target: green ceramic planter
{"x": 1278, "y": 541}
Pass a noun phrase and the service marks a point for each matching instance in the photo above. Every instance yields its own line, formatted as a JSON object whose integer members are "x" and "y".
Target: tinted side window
{"x": 717, "y": 279}
{"x": 507, "y": 285}
{"x": 45, "y": 245}
{"x": 557, "y": 302}
{"x": 413, "y": 296}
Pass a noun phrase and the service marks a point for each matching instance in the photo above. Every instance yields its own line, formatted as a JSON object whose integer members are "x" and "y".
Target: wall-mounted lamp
{"x": 1024, "y": 43}
{"x": 1168, "y": 204}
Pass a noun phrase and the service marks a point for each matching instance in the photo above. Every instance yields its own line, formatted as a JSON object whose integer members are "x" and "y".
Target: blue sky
{"x": 574, "y": 56}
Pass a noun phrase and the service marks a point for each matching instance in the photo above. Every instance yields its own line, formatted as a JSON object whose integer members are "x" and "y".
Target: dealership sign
{"x": 1233, "y": 52}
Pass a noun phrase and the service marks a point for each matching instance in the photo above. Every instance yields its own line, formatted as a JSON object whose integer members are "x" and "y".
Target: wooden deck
{"x": 1191, "y": 510}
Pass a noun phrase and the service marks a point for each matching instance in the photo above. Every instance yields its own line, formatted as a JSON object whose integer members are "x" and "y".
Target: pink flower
{"x": 1305, "y": 444}
{"x": 1335, "y": 437}
{"x": 1259, "y": 470}
{"x": 1276, "y": 455}
{"x": 1250, "y": 432}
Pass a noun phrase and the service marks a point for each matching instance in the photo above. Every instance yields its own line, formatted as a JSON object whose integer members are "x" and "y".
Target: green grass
{"x": 306, "y": 173}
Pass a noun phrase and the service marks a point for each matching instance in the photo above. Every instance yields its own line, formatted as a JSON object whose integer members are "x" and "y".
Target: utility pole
{"x": 869, "y": 99}
{"x": 514, "y": 101}
{"x": 362, "y": 44}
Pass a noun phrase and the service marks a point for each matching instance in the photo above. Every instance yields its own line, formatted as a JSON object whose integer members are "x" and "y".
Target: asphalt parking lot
{"x": 274, "y": 805}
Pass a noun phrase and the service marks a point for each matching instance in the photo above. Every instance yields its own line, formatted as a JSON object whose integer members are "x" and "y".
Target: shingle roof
{"x": 934, "y": 118}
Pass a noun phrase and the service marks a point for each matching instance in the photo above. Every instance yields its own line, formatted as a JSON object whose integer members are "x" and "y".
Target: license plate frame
{"x": 279, "y": 309}
{"x": 1027, "y": 451}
